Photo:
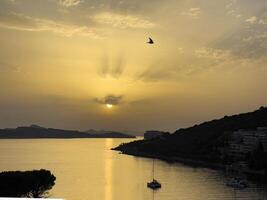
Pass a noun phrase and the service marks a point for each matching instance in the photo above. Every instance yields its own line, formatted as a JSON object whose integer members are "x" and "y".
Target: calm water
{"x": 87, "y": 170}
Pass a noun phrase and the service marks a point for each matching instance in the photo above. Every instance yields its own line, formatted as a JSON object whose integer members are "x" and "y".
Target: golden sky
{"x": 62, "y": 61}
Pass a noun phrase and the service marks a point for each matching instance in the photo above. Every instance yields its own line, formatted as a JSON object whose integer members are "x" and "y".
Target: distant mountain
{"x": 201, "y": 142}
{"x": 36, "y": 126}
{"x": 133, "y": 133}
{"x": 35, "y": 131}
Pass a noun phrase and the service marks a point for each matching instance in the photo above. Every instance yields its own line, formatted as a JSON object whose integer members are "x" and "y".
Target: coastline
{"x": 186, "y": 161}
{"x": 67, "y": 138}
{"x": 193, "y": 163}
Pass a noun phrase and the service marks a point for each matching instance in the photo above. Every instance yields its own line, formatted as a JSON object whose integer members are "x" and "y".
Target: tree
{"x": 33, "y": 184}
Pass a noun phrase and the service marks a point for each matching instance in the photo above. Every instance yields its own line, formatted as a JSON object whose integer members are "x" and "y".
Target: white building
{"x": 243, "y": 142}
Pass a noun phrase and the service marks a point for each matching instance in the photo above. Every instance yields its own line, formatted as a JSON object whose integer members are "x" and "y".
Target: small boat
{"x": 154, "y": 184}
{"x": 237, "y": 183}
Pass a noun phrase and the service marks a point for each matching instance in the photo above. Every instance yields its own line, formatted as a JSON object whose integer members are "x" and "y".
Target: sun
{"x": 109, "y": 105}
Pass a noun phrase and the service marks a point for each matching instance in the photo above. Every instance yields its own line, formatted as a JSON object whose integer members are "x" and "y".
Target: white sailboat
{"x": 154, "y": 184}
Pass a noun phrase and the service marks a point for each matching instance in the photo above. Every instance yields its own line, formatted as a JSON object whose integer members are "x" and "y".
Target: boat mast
{"x": 153, "y": 169}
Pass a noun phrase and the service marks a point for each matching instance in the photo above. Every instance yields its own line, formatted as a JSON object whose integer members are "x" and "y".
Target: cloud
{"x": 192, "y": 12}
{"x": 229, "y": 5}
{"x": 206, "y": 59}
{"x": 215, "y": 54}
{"x": 140, "y": 102}
{"x": 251, "y": 20}
{"x": 23, "y": 22}
{"x": 233, "y": 9}
{"x": 159, "y": 71}
{"x": 180, "y": 50}
{"x": 69, "y": 3}
{"x": 122, "y": 21}
{"x": 6, "y": 67}
{"x": 261, "y": 20}
{"x": 249, "y": 41}
{"x": 115, "y": 70}
{"x": 110, "y": 99}
{"x": 152, "y": 75}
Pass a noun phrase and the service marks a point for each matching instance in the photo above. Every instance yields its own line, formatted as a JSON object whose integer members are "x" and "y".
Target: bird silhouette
{"x": 150, "y": 41}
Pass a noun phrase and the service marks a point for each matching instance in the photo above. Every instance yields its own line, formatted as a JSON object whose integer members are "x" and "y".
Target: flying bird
{"x": 150, "y": 41}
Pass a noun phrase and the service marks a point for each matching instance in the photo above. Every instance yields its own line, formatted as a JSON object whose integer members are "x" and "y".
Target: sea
{"x": 86, "y": 169}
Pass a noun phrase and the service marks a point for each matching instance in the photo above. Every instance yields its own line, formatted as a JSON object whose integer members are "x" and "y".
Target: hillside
{"x": 201, "y": 142}
{"x": 35, "y": 131}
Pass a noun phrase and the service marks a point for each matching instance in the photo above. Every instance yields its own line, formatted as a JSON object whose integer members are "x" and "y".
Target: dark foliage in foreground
{"x": 33, "y": 184}
{"x": 201, "y": 142}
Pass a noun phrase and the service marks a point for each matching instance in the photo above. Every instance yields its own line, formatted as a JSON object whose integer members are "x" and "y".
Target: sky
{"x": 63, "y": 61}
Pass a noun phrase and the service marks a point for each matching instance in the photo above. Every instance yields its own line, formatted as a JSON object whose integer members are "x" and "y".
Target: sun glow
{"x": 109, "y": 105}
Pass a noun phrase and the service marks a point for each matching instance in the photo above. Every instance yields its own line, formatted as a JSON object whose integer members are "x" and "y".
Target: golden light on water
{"x": 109, "y": 105}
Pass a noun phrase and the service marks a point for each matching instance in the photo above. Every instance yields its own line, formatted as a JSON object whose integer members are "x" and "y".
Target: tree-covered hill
{"x": 201, "y": 141}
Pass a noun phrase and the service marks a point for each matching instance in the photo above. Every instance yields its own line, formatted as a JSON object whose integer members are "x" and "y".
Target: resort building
{"x": 153, "y": 134}
{"x": 243, "y": 142}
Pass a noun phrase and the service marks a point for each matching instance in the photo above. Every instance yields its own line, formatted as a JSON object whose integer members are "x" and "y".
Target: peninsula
{"x": 221, "y": 142}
